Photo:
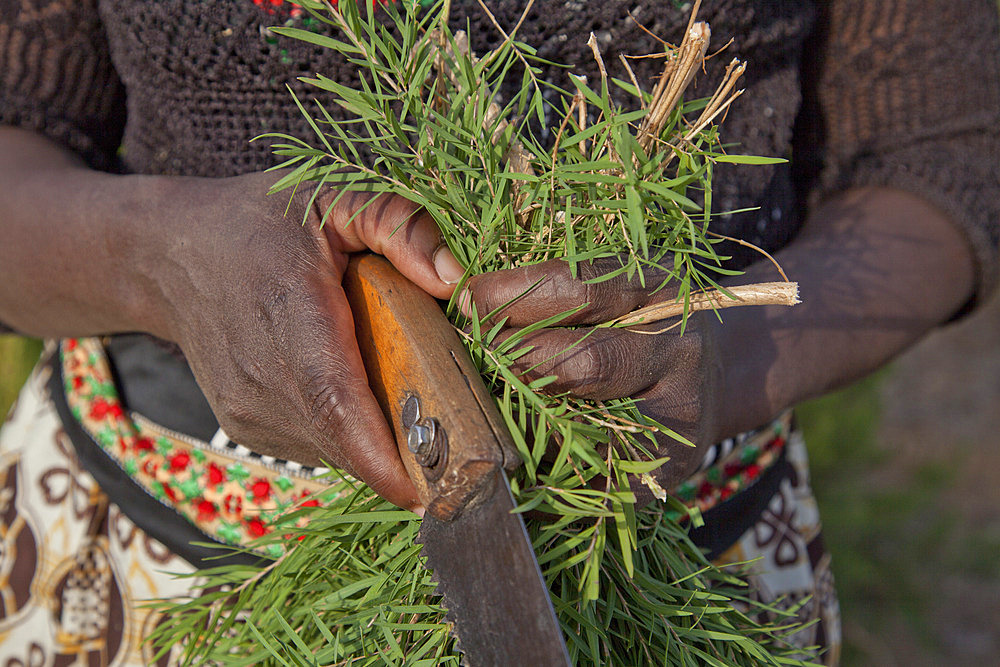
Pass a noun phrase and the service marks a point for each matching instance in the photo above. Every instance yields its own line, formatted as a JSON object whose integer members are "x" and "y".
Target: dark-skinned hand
{"x": 673, "y": 377}
{"x": 254, "y": 300}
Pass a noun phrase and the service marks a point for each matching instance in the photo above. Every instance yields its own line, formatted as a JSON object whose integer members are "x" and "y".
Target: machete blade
{"x": 455, "y": 447}
{"x": 489, "y": 578}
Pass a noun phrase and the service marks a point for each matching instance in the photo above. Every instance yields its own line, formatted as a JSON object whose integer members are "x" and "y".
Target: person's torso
{"x": 204, "y": 78}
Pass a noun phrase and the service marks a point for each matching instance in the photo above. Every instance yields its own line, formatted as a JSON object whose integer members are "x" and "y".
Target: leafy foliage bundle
{"x": 627, "y": 584}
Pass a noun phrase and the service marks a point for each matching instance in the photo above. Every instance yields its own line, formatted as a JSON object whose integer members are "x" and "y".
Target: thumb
{"x": 398, "y": 229}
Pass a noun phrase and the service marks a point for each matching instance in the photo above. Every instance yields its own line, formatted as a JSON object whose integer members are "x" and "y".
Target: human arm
{"x": 901, "y": 235}
{"x": 252, "y": 297}
{"x": 862, "y": 264}
{"x": 249, "y": 294}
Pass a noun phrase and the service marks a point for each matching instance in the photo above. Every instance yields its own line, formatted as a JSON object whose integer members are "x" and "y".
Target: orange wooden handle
{"x": 428, "y": 387}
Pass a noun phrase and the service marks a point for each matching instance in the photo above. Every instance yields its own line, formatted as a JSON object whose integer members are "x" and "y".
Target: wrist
{"x": 136, "y": 234}
{"x": 744, "y": 353}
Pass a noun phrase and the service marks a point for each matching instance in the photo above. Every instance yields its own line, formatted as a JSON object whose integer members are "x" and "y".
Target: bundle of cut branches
{"x": 635, "y": 186}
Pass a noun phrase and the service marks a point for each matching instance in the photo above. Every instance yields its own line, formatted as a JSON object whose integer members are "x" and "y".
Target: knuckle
{"x": 608, "y": 361}
{"x": 326, "y": 406}
{"x": 327, "y": 395}
{"x": 586, "y": 370}
{"x": 391, "y": 219}
{"x": 586, "y": 364}
{"x": 613, "y": 366}
{"x": 273, "y": 303}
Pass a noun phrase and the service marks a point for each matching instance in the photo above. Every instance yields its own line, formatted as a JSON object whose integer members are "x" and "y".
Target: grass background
{"x": 17, "y": 356}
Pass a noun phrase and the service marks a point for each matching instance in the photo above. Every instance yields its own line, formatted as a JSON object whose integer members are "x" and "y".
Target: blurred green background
{"x": 905, "y": 467}
{"x": 17, "y": 356}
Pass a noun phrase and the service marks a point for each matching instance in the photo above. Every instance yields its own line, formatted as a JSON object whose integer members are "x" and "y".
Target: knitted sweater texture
{"x": 902, "y": 93}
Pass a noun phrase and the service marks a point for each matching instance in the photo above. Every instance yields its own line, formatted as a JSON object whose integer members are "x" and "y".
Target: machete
{"x": 457, "y": 452}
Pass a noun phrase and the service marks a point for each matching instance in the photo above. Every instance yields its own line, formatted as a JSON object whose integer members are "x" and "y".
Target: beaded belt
{"x": 734, "y": 465}
{"x": 228, "y": 492}
{"x": 233, "y": 495}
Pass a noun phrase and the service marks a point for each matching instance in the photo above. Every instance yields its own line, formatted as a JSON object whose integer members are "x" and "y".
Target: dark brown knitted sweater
{"x": 858, "y": 92}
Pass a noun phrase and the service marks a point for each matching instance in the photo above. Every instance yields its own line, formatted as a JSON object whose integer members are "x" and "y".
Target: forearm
{"x": 72, "y": 242}
{"x": 877, "y": 269}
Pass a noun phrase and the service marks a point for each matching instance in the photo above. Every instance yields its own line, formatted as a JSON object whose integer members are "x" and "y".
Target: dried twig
{"x": 759, "y": 294}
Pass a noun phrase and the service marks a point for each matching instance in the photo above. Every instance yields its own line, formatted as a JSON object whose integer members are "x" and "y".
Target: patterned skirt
{"x": 100, "y": 507}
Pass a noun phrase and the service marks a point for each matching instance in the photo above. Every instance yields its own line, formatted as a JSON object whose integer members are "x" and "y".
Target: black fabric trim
{"x": 158, "y": 384}
{"x": 156, "y": 519}
{"x": 725, "y": 523}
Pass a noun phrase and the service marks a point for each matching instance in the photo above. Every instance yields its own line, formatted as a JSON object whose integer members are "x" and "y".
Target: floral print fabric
{"x": 74, "y": 570}
{"x": 230, "y": 497}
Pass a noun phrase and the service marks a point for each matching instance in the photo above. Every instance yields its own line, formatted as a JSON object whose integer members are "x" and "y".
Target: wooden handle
{"x": 429, "y": 389}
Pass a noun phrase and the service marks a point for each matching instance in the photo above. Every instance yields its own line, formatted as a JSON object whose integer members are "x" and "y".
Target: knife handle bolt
{"x": 429, "y": 444}
{"x": 425, "y": 438}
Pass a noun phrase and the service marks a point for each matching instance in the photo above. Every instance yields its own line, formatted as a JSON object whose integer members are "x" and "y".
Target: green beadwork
{"x": 190, "y": 488}
{"x": 237, "y": 472}
{"x": 163, "y": 446}
{"x": 107, "y": 437}
{"x": 749, "y": 455}
{"x": 229, "y": 533}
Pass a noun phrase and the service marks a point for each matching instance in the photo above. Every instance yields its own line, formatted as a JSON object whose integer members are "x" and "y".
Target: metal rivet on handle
{"x": 420, "y": 438}
{"x": 425, "y": 438}
{"x": 429, "y": 444}
{"x": 411, "y": 412}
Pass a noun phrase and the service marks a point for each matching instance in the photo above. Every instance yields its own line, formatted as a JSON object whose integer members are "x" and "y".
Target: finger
{"x": 533, "y": 293}
{"x": 672, "y": 403}
{"x": 401, "y": 231}
{"x": 596, "y": 364}
{"x": 347, "y": 421}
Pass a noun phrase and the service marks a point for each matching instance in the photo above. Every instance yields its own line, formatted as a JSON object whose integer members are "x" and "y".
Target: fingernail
{"x": 447, "y": 267}
{"x": 465, "y": 302}
{"x": 418, "y": 510}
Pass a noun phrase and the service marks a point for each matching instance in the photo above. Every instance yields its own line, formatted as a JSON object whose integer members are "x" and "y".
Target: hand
{"x": 674, "y": 377}
{"x": 254, "y": 300}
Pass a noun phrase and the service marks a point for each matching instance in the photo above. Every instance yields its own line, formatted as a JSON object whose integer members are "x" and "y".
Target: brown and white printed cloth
{"x": 74, "y": 570}
{"x": 789, "y": 566}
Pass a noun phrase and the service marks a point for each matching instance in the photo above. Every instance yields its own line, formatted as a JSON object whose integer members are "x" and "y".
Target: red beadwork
{"x": 232, "y": 505}
{"x": 261, "y": 489}
{"x": 99, "y": 409}
{"x": 256, "y": 527}
{"x": 215, "y": 474}
{"x": 179, "y": 461}
{"x": 207, "y": 510}
{"x": 143, "y": 445}
{"x": 170, "y": 493}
